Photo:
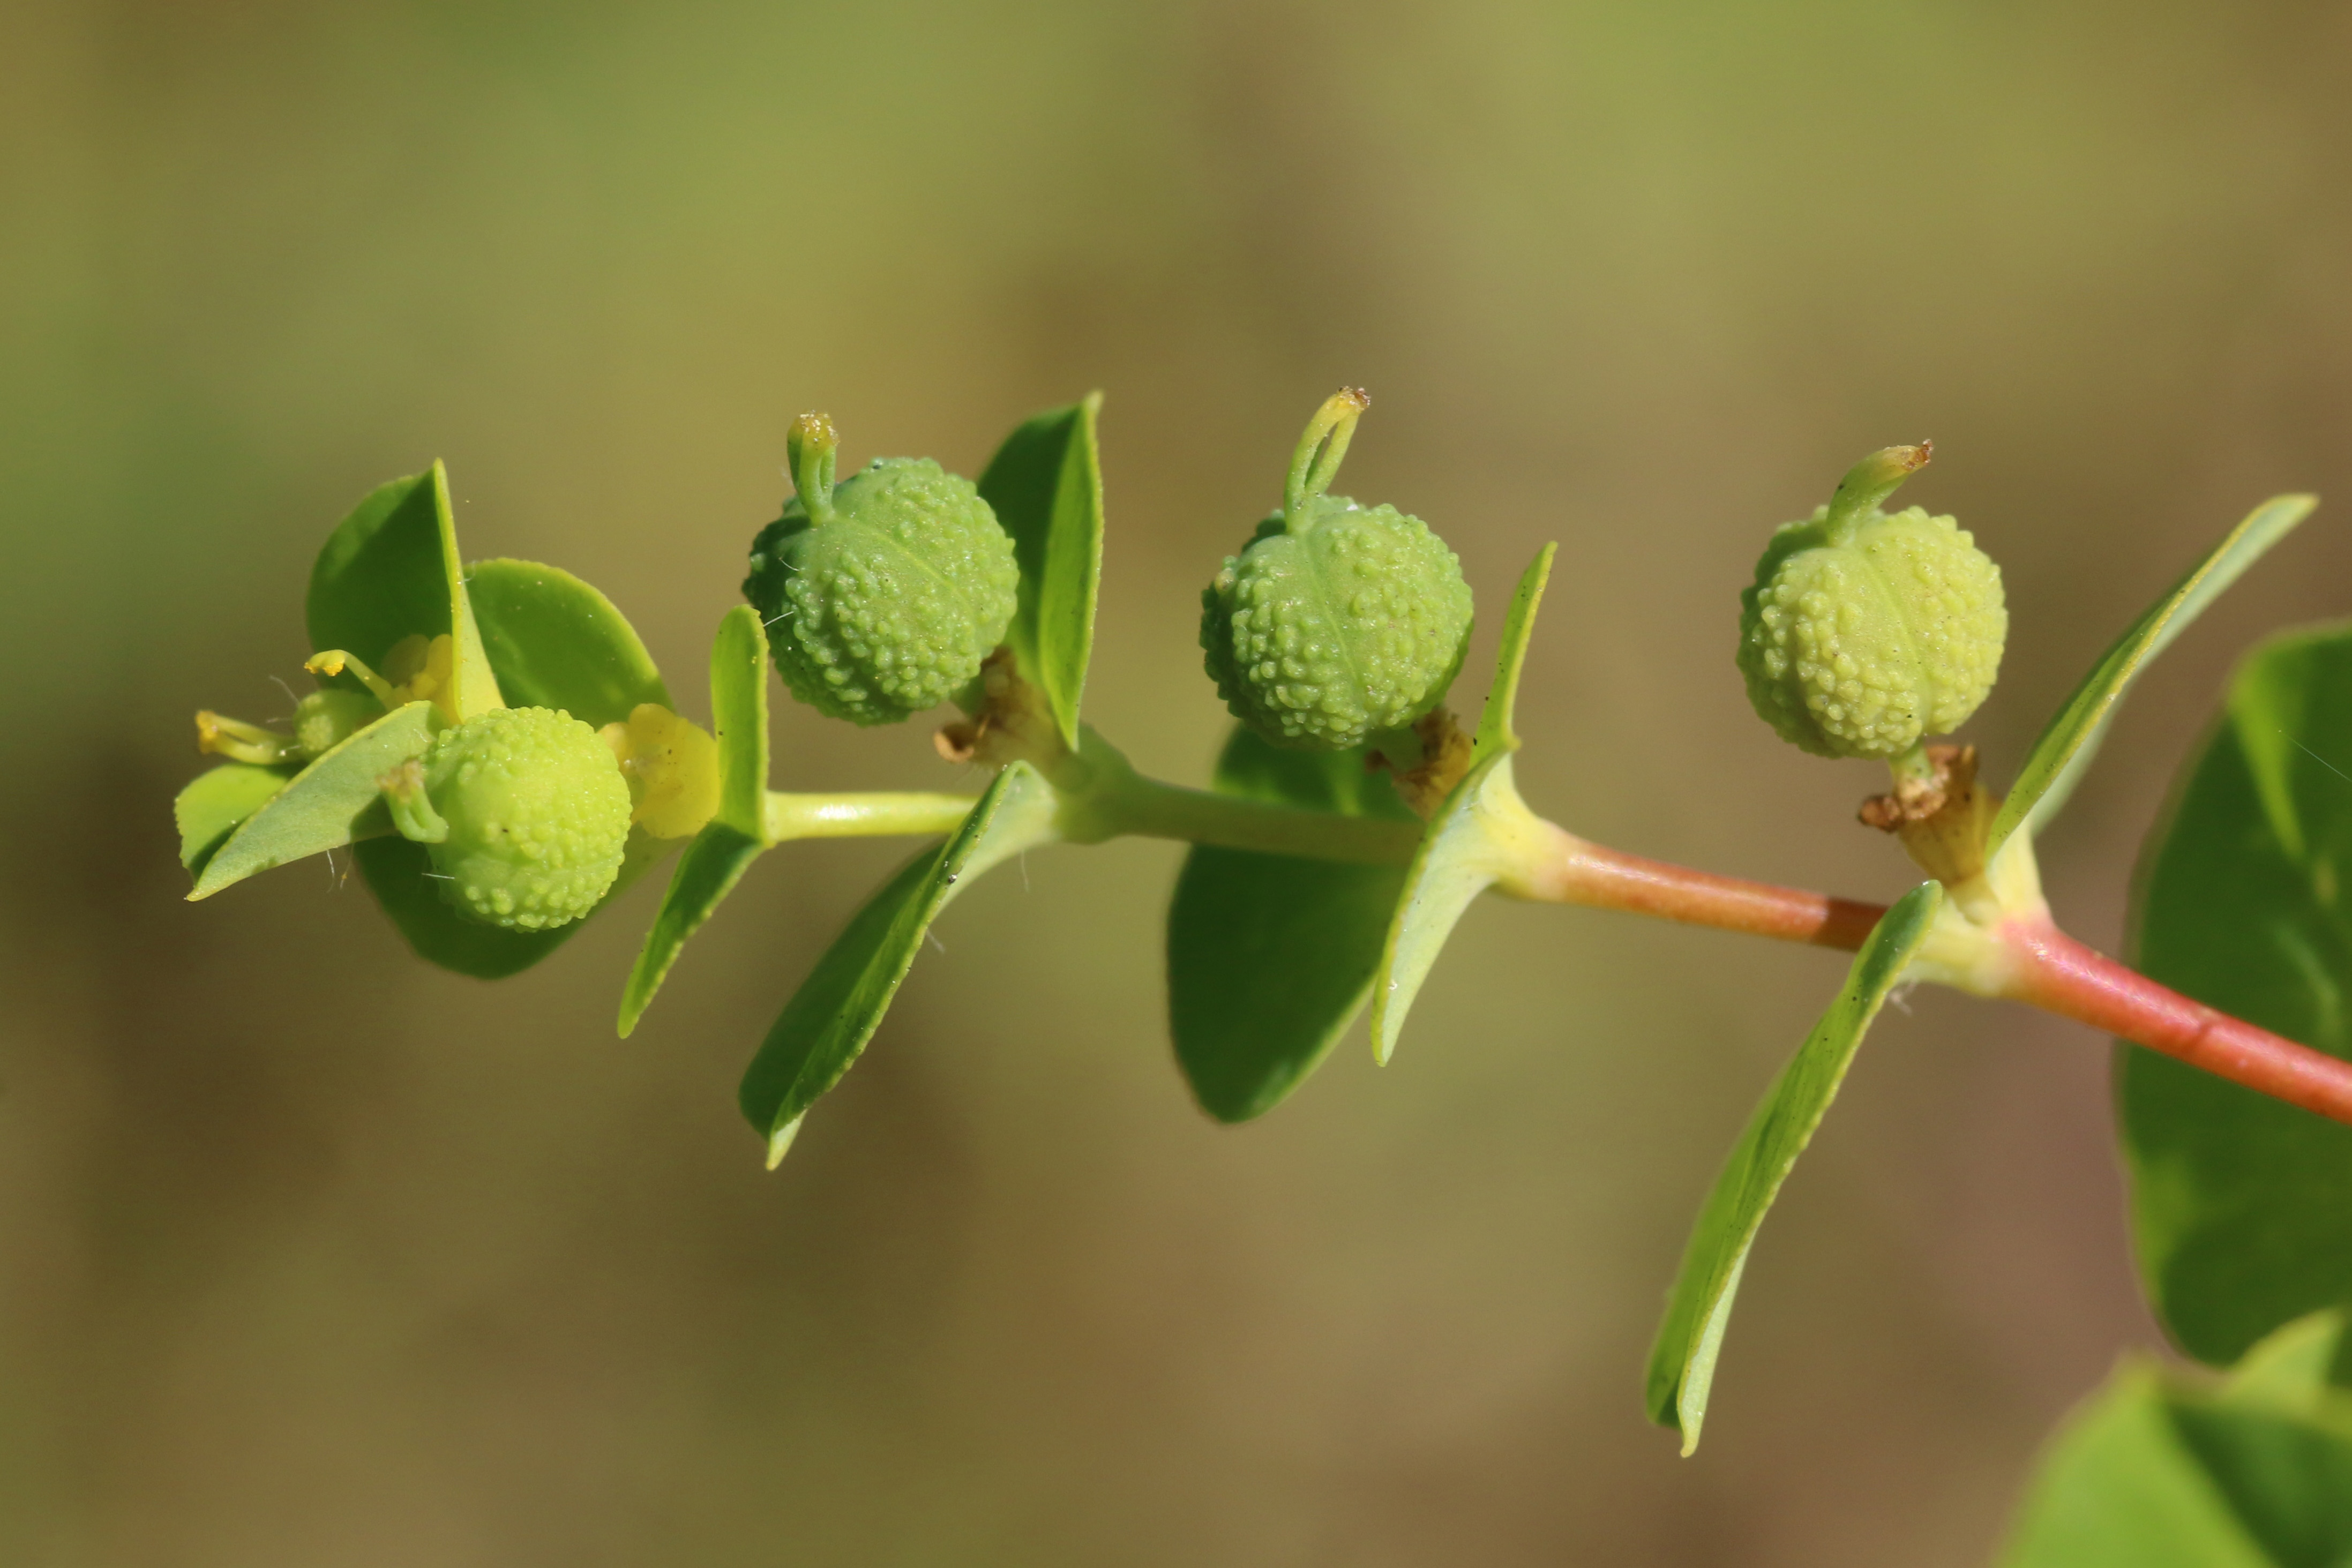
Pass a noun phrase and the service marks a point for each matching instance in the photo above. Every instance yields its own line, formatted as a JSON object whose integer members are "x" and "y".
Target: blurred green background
{"x": 310, "y": 1254}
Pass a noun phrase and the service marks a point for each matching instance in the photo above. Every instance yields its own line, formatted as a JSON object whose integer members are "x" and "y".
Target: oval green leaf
{"x": 335, "y": 800}
{"x": 214, "y": 803}
{"x": 555, "y": 642}
{"x": 2242, "y": 1205}
{"x": 2071, "y": 740}
{"x": 391, "y": 571}
{"x": 1682, "y": 1363}
{"x": 1270, "y": 957}
{"x": 1045, "y": 484}
{"x": 837, "y": 1009}
{"x": 401, "y": 875}
{"x": 2157, "y": 1472}
{"x": 726, "y": 847}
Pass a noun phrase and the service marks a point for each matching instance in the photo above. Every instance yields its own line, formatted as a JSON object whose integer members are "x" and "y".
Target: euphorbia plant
{"x": 494, "y": 743}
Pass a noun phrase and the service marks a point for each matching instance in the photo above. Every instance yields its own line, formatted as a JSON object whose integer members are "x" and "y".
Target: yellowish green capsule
{"x": 1866, "y": 632}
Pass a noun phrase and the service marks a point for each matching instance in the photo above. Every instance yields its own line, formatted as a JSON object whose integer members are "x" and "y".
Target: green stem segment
{"x": 1320, "y": 451}
{"x": 1146, "y": 808}
{"x": 863, "y": 815}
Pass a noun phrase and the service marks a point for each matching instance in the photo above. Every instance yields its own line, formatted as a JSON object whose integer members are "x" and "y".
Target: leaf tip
{"x": 780, "y": 1142}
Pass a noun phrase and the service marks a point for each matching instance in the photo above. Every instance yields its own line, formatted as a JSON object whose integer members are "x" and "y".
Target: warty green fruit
{"x": 1324, "y": 632}
{"x": 536, "y": 815}
{"x": 1865, "y": 633}
{"x": 1337, "y": 622}
{"x": 882, "y": 600}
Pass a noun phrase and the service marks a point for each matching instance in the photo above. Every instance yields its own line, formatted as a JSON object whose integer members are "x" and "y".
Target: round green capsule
{"x": 1866, "y": 632}
{"x": 882, "y": 594}
{"x": 525, "y": 813}
{"x": 327, "y": 717}
{"x": 1338, "y": 621}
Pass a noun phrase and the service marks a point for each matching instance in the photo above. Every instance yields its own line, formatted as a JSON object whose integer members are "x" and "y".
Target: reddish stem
{"x": 2062, "y": 976}
{"x": 1593, "y": 874}
{"x": 2051, "y": 970}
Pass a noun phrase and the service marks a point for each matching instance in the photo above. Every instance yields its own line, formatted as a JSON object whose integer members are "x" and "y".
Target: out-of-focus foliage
{"x": 2161, "y": 1472}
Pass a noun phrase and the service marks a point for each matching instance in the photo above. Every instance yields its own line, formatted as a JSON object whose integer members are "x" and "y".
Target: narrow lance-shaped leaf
{"x": 1682, "y": 1363}
{"x": 214, "y": 803}
{"x": 1472, "y": 840}
{"x": 1270, "y": 957}
{"x": 837, "y": 1009}
{"x": 552, "y": 641}
{"x": 2242, "y": 1206}
{"x": 727, "y": 844}
{"x": 390, "y": 571}
{"x": 2071, "y": 739}
{"x": 338, "y": 798}
{"x": 1045, "y": 484}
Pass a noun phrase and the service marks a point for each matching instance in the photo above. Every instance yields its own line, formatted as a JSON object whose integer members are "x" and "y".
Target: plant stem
{"x": 1152, "y": 809}
{"x": 859, "y": 816}
{"x": 1602, "y": 878}
{"x": 2062, "y": 975}
{"x": 2044, "y": 968}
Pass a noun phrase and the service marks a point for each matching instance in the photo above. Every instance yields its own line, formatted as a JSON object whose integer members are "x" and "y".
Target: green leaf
{"x": 1464, "y": 852}
{"x": 2300, "y": 1368}
{"x": 2242, "y": 1206}
{"x": 713, "y": 863}
{"x": 1495, "y": 733}
{"x": 738, "y": 718}
{"x": 555, "y": 642}
{"x": 2118, "y": 1490}
{"x": 391, "y": 571}
{"x": 841, "y": 1004}
{"x": 402, "y": 877}
{"x": 1472, "y": 840}
{"x": 1046, "y": 485}
{"x": 214, "y": 803}
{"x": 2071, "y": 739}
{"x": 331, "y": 803}
{"x": 1682, "y": 1363}
{"x": 2158, "y": 1471}
{"x": 1269, "y": 956}
{"x": 726, "y": 847}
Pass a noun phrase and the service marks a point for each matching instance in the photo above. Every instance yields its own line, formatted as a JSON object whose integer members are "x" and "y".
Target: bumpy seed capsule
{"x": 1337, "y": 622}
{"x": 882, "y": 595}
{"x": 525, "y": 813}
{"x": 1865, "y": 632}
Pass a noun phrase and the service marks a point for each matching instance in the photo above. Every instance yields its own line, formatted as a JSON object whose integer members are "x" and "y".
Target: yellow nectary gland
{"x": 1863, "y": 648}
{"x": 538, "y": 815}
